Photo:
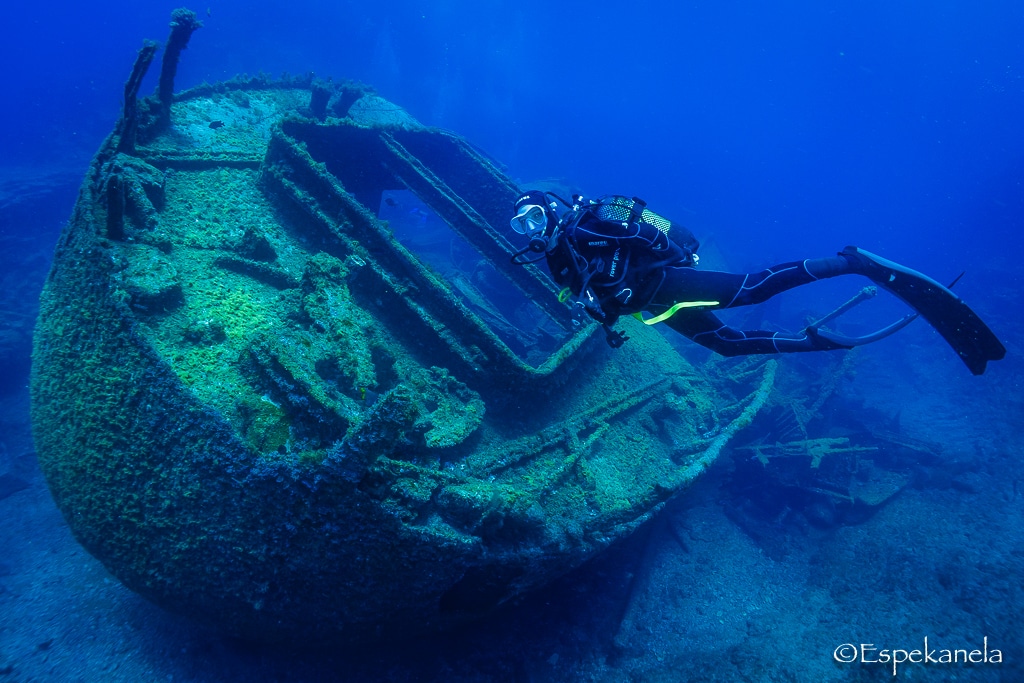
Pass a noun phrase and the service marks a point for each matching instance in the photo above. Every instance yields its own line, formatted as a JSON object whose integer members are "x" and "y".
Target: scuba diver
{"x": 617, "y": 257}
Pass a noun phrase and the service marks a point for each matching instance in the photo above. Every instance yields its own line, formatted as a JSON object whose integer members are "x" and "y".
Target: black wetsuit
{"x": 623, "y": 268}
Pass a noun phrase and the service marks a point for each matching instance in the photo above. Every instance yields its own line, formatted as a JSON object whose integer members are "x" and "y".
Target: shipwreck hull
{"x": 260, "y": 405}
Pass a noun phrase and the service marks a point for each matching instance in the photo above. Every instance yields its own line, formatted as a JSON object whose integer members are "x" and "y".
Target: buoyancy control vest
{"x": 610, "y": 253}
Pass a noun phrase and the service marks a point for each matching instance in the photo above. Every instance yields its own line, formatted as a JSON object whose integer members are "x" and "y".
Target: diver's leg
{"x": 706, "y": 329}
{"x": 737, "y": 289}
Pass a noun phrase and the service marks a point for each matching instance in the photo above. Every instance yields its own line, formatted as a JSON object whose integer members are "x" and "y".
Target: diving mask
{"x": 530, "y": 220}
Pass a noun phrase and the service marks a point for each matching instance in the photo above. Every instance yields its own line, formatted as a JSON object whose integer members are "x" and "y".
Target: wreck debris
{"x": 127, "y": 126}
{"x": 799, "y": 468}
{"x": 183, "y": 23}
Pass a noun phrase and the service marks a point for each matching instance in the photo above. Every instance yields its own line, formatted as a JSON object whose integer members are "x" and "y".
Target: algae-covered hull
{"x": 286, "y": 379}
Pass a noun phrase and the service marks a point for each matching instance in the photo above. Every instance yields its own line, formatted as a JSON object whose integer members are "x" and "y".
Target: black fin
{"x": 960, "y": 326}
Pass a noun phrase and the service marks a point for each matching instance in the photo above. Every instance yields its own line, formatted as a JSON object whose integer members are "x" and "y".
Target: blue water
{"x": 812, "y": 123}
{"x": 776, "y": 131}
{"x": 785, "y": 130}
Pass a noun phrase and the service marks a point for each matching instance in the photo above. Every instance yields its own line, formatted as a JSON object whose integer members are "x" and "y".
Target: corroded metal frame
{"x": 407, "y": 288}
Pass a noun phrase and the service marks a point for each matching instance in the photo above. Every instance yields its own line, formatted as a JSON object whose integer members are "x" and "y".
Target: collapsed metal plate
{"x": 287, "y": 381}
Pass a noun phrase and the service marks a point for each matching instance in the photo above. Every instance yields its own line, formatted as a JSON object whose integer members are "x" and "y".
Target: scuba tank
{"x": 626, "y": 210}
